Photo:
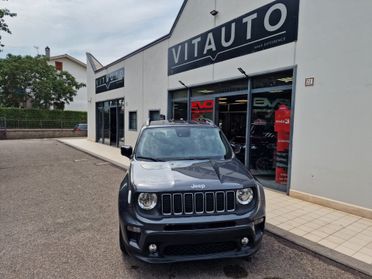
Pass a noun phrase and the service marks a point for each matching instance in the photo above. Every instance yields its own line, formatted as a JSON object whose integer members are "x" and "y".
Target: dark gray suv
{"x": 186, "y": 197}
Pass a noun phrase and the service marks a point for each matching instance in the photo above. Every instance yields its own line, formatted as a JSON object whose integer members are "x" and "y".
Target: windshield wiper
{"x": 149, "y": 158}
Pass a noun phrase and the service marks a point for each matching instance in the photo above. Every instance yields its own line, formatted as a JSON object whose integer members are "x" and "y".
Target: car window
{"x": 182, "y": 143}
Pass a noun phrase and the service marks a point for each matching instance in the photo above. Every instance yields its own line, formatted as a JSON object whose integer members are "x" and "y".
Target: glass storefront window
{"x": 221, "y": 87}
{"x": 272, "y": 80}
{"x": 266, "y": 150}
{"x": 179, "y": 105}
{"x": 268, "y": 145}
{"x": 202, "y": 110}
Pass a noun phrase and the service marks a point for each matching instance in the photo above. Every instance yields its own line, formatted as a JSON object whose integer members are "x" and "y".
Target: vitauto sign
{"x": 269, "y": 26}
{"x": 110, "y": 81}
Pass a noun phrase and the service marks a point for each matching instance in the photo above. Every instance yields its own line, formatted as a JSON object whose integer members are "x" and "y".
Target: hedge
{"x": 39, "y": 114}
{"x": 37, "y": 118}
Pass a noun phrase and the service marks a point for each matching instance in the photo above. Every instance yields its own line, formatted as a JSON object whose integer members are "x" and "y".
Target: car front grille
{"x": 198, "y": 203}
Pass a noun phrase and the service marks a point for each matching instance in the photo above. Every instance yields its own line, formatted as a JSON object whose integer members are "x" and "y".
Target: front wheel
{"x": 121, "y": 243}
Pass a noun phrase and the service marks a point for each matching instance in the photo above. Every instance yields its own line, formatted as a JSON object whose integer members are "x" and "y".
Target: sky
{"x": 108, "y": 29}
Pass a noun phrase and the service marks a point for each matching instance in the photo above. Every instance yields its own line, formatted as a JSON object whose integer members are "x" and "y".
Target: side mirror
{"x": 126, "y": 150}
{"x": 236, "y": 148}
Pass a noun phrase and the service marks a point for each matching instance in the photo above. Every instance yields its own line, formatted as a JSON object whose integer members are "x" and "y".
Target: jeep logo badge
{"x": 198, "y": 186}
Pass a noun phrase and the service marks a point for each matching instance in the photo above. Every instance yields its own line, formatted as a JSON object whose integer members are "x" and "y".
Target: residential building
{"x": 78, "y": 70}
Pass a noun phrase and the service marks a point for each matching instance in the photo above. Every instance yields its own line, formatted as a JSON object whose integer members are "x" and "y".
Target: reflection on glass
{"x": 99, "y": 124}
{"x": 113, "y": 126}
{"x": 202, "y": 110}
{"x": 121, "y": 124}
{"x": 133, "y": 120}
{"x": 264, "y": 153}
{"x": 106, "y": 123}
{"x": 221, "y": 87}
{"x": 232, "y": 119}
{"x": 271, "y": 80}
{"x": 110, "y": 122}
{"x": 179, "y": 105}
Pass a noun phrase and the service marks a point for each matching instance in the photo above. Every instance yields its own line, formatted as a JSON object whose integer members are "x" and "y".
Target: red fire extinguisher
{"x": 282, "y": 127}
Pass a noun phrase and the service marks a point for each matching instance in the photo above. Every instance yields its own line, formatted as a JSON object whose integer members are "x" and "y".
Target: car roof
{"x": 172, "y": 123}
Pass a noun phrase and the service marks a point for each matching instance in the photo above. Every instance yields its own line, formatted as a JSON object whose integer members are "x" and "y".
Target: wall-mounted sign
{"x": 110, "y": 81}
{"x": 269, "y": 26}
{"x": 309, "y": 81}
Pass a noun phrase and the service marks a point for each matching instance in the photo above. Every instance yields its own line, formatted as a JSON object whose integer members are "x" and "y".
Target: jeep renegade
{"x": 187, "y": 197}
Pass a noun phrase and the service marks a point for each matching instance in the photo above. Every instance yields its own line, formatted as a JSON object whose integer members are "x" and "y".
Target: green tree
{"x": 27, "y": 78}
{"x": 3, "y": 26}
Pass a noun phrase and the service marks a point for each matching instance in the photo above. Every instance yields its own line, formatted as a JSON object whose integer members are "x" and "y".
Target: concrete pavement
{"x": 58, "y": 216}
{"x": 340, "y": 236}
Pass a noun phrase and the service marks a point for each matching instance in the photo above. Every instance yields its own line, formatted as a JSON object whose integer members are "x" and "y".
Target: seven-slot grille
{"x": 198, "y": 203}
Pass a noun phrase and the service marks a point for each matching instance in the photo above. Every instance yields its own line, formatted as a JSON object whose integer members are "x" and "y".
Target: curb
{"x": 321, "y": 250}
{"x": 119, "y": 165}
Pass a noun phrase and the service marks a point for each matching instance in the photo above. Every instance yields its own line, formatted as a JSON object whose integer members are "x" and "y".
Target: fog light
{"x": 245, "y": 241}
{"x": 153, "y": 248}
{"x": 134, "y": 229}
{"x": 259, "y": 221}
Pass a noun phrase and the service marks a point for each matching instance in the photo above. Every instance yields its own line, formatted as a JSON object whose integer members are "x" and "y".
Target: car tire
{"x": 122, "y": 244}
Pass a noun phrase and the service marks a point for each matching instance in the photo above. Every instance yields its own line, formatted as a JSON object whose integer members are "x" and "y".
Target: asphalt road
{"x": 58, "y": 219}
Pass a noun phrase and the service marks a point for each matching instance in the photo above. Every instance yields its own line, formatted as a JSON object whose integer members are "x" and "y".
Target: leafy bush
{"x": 38, "y": 118}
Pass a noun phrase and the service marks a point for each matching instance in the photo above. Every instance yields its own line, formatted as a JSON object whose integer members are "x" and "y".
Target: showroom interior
{"x": 233, "y": 104}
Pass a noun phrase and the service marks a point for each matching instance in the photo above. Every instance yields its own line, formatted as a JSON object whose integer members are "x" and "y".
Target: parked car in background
{"x": 80, "y": 127}
{"x": 187, "y": 197}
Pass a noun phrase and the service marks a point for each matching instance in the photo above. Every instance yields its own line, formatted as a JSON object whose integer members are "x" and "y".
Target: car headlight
{"x": 244, "y": 196}
{"x": 147, "y": 201}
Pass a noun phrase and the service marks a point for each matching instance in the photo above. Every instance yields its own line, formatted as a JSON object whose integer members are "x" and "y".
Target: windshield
{"x": 182, "y": 143}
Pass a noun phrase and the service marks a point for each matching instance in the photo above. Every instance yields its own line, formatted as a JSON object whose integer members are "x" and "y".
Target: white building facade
{"x": 78, "y": 70}
{"x": 290, "y": 81}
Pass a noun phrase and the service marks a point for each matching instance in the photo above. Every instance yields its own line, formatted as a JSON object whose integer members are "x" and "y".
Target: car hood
{"x": 189, "y": 175}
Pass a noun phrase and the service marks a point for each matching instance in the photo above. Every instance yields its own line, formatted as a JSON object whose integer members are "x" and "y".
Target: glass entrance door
{"x": 232, "y": 119}
{"x": 113, "y": 126}
{"x": 106, "y": 123}
{"x": 99, "y": 122}
{"x": 110, "y": 122}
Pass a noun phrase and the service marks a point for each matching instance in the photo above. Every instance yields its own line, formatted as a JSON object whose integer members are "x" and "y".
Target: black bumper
{"x": 195, "y": 244}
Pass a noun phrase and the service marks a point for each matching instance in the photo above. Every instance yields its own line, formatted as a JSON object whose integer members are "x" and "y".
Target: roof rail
{"x": 206, "y": 121}
{"x": 177, "y": 121}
